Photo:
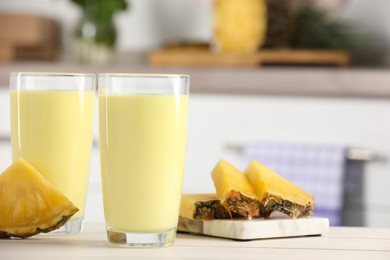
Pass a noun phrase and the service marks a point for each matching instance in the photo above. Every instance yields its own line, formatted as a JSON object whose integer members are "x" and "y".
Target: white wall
{"x": 369, "y": 16}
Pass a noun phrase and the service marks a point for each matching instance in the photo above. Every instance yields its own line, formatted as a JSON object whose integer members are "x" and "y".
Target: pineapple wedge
{"x": 234, "y": 190}
{"x": 203, "y": 207}
{"x": 29, "y": 204}
{"x": 277, "y": 193}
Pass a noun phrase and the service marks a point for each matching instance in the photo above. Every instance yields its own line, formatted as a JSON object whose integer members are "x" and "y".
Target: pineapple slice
{"x": 29, "y": 204}
{"x": 234, "y": 190}
{"x": 277, "y": 193}
{"x": 203, "y": 207}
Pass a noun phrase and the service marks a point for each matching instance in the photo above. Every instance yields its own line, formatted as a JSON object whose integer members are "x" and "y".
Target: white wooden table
{"x": 339, "y": 243}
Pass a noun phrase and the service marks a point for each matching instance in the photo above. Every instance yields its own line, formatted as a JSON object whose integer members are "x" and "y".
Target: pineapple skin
{"x": 234, "y": 190}
{"x": 277, "y": 193}
{"x": 203, "y": 207}
{"x": 29, "y": 204}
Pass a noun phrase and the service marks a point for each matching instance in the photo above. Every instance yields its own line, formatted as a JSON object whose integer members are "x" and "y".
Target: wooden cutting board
{"x": 203, "y": 57}
{"x": 274, "y": 227}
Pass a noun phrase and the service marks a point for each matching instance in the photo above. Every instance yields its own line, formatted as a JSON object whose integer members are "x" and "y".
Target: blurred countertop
{"x": 283, "y": 81}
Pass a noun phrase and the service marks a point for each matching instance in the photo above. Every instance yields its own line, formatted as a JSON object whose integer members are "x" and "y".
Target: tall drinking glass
{"x": 143, "y": 127}
{"x": 51, "y": 127}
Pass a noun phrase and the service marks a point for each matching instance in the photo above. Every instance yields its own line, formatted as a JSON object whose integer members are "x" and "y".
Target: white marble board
{"x": 275, "y": 227}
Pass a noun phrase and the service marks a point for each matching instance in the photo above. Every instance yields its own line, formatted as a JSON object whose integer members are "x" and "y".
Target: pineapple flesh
{"x": 277, "y": 193}
{"x": 29, "y": 204}
{"x": 234, "y": 190}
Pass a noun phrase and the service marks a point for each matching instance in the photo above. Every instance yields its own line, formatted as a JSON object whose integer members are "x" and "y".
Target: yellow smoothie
{"x": 53, "y": 131}
{"x": 142, "y": 142}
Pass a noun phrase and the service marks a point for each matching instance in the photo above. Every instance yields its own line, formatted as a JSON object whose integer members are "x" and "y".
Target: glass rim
{"x": 143, "y": 75}
{"x": 51, "y": 74}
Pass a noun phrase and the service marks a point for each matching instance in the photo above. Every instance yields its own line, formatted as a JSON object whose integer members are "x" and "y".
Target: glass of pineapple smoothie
{"x": 142, "y": 131}
{"x": 51, "y": 128}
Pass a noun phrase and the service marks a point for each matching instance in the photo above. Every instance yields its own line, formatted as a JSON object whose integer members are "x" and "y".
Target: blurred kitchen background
{"x": 301, "y": 85}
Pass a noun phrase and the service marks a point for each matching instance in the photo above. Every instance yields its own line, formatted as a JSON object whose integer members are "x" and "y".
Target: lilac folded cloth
{"x": 318, "y": 169}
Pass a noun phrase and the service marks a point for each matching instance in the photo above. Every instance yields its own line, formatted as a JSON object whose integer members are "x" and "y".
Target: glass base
{"x": 128, "y": 239}
{"x": 70, "y": 228}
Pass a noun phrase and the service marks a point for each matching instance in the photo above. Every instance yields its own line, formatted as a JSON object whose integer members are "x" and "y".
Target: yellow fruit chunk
{"x": 277, "y": 193}
{"x": 29, "y": 204}
{"x": 234, "y": 190}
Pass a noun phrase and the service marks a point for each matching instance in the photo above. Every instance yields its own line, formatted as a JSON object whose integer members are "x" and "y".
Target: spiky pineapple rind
{"x": 206, "y": 210}
{"x": 238, "y": 203}
{"x": 57, "y": 225}
{"x": 276, "y": 203}
{"x": 204, "y": 206}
